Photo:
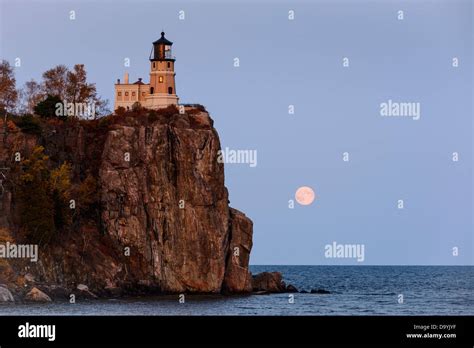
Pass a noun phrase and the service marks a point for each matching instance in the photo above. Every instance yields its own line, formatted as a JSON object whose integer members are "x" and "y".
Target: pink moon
{"x": 305, "y": 195}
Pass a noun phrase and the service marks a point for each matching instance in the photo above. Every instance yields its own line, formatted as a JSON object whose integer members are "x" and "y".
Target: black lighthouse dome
{"x": 162, "y": 49}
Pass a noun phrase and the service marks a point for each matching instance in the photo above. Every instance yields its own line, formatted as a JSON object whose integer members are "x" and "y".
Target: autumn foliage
{"x": 47, "y": 197}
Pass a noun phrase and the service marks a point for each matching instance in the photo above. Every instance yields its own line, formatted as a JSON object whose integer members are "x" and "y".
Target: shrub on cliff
{"x": 86, "y": 196}
{"x": 196, "y": 108}
{"x": 60, "y": 183}
{"x": 136, "y": 107}
{"x": 153, "y": 116}
{"x": 169, "y": 111}
{"x": 104, "y": 122}
{"x": 120, "y": 111}
{"x": 11, "y": 126}
{"x": 29, "y": 124}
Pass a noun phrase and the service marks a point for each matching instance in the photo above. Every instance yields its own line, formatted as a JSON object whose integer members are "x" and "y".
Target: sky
{"x": 299, "y": 62}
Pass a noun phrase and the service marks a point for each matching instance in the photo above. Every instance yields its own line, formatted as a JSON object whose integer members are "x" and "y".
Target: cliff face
{"x": 162, "y": 222}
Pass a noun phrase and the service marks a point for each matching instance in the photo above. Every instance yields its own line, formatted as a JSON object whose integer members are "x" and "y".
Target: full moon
{"x": 305, "y": 195}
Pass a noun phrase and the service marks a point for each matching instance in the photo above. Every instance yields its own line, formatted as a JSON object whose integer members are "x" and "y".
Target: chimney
{"x": 125, "y": 78}
{"x": 118, "y": 81}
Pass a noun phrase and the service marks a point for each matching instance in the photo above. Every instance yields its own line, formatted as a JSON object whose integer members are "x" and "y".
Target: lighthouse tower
{"x": 162, "y": 86}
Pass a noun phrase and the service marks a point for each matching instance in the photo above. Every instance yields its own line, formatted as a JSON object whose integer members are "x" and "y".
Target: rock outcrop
{"x": 162, "y": 221}
{"x": 270, "y": 282}
{"x": 237, "y": 277}
{"x": 83, "y": 292}
{"x": 319, "y": 291}
{"x": 36, "y": 295}
{"x": 5, "y": 294}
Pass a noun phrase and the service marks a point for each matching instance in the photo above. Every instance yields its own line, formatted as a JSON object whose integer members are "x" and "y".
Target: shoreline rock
{"x": 83, "y": 292}
{"x": 271, "y": 282}
{"x": 36, "y": 295}
{"x": 5, "y": 294}
{"x": 319, "y": 291}
{"x": 290, "y": 288}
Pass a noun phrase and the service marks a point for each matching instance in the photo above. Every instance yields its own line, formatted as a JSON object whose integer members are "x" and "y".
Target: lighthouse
{"x": 161, "y": 91}
{"x": 162, "y": 85}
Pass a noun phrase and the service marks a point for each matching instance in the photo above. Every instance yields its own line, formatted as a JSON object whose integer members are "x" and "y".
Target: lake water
{"x": 355, "y": 290}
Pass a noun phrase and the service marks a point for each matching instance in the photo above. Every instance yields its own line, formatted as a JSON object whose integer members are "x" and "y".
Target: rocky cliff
{"x": 160, "y": 222}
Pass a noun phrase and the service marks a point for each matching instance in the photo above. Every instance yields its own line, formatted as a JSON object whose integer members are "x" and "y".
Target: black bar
{"x": 141, "y": 330}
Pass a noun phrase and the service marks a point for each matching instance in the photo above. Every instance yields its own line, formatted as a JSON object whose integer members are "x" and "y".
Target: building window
{"x": 160, "y": 79}
{"x": 170, "y": 90}
{"x": 119, "y": 94}
{"x": 133, "y": 93}
{"x": 126, "y": 94}
{"x": 169, "y": 65}
{"x": 153, "y": 65}
{"x": 152, "y": 90}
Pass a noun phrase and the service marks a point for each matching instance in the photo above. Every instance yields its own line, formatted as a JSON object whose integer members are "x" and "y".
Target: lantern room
{"x": 162, "y": 49}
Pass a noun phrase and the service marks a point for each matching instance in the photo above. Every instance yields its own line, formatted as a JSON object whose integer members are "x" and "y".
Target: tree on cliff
{"x": 54, "y": 81}
{"x": 30, "y": 96}
{"x": 68, "y": 86}
{"x": 77, "y": 88}
{"x": 35, "y": 203}
{"x": 72, "y": 86}
{"x": 43, "y": 197}
{"x": 8, "y": 92}
{"x": 47, "y": 107}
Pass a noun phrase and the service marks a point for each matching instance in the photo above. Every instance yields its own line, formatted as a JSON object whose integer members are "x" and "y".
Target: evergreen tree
{"x": 47, "y": 108}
